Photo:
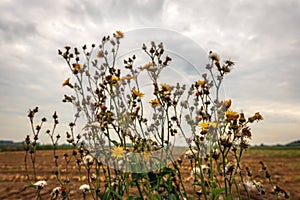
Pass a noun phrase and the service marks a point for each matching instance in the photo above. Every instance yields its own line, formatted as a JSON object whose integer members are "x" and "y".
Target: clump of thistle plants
{"x": 126, "y": 147}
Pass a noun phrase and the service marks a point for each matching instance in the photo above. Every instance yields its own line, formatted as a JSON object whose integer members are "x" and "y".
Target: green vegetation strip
{"x": 275, "y": 151}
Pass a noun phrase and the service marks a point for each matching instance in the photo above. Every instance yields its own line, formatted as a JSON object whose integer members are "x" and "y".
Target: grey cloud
{"x": 278, "y": 19}
{"x": 262, "y": 37}
{"x": 115, "y": 12}
{"x": 15, "y": 30}
{"x": 144, "y": 10}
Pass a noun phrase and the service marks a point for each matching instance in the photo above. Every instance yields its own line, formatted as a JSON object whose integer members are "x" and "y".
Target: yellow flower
{"x": 137, "y": 93}
{"x": 206, "y": 125}
{"x": 128, "y": 78}
{"x": 154, "y": 102}
{"x": 165, "y": 87}
{"x": 231, "y": 115}
{"x": 119, "y": 34}
{"x": 200, "y": 82}
{"x": 118, "y": 152}
{"x": 115, "y": 79}
{"x": 77, "y": 67}
{"x": 67, "y": 82}
{"x": 146, "y": 66}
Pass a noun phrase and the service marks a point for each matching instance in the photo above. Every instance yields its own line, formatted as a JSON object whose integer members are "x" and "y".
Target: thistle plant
{"x": 126, "y": 145}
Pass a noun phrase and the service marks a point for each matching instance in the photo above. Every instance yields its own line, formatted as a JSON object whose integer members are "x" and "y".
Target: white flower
{"x": 94, "y": 124}
{"x": 223, "y": 138}
{"x": 94, "y": 177}
{"x": 214, "y": 56}
{"x": 84, "y": 188}
{"x": 70, "y": 140}
{"x": 191, "y": 153}
{"x": 250, "y": 185}
{"x": 55, "y": 192}
{"x": 88, "y": 160}
{"x": 258, "y": 184}
{"x": 197, "y": 170}
{"x": 40, "y": 184}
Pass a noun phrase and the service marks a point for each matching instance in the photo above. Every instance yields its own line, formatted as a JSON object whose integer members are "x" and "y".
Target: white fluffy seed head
{"x": 214, "y": 56}
{"x": 190, "y": 153}
{"x": 88, "y": 160}
{"x": 84, "y": 188}
{"x": 40, "y": 184}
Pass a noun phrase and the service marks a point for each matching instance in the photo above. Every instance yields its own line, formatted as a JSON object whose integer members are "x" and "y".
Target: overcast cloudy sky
{"x": 262, "y": 37}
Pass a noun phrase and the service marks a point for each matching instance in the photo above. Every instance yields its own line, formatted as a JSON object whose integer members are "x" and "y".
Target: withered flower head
{"x": 168, "y": 58}
{"x": 216, "y": 154}
{"x": 244, "y": 144}
{"x": 119, "y": 34}
{"x": 67, "y": 98}
{"x": 263, "y": 166}
{"x": 67, "y": 48}
{"x": 257, "y": 116}
{"x": 100, "y": 54}
{"x": 242, "y": 118}
{"x": 166, "y": 87}
{"x": 261, "y": 162}
{"x": 67, "y": 83}
{"x": 246, "y": 132}
{"x": 268, "y": 175}
{"x": 103, "y": 108}
{"x": 227, "y": 103}
{"x": 217, "y": 63}
{"x": 229, "y": 63}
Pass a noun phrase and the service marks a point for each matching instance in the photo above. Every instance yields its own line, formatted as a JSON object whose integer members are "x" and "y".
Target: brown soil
{"x": 285, "y": 171}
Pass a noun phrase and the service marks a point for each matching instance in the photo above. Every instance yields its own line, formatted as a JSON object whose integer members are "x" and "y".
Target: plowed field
{"x": 283, "y": 164}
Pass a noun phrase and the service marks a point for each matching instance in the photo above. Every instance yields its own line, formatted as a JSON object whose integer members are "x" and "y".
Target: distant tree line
{"x": 8, "y": 145}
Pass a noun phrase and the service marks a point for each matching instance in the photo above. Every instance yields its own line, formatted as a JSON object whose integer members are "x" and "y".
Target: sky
{"x": 261, "y": 37}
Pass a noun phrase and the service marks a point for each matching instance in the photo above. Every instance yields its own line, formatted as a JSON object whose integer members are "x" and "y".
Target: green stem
{"x": 224, "y": 173}
{"x": 139, "y": 189}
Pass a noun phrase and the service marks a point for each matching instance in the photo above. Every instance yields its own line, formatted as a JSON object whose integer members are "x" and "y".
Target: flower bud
{"x": 227, "y": 103}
